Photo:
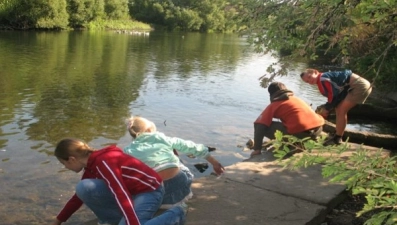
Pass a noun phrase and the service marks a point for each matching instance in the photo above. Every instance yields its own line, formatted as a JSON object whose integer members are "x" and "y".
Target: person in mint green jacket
{"x": 157, "y": 151}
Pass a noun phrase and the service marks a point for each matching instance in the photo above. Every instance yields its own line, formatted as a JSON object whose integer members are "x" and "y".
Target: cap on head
{"x": 276, "y": 86}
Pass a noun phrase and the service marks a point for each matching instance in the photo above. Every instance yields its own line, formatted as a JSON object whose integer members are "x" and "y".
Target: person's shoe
{"x": 250, "y": 143}
{"x": 189, "y": 196}
{"x": 184, "y": 207}
{"x": 169, "y": 206}
{"x": 333, "y": 140}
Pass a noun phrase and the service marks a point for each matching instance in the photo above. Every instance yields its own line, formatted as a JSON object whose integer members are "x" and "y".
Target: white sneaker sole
{"x": 169, "y": 206}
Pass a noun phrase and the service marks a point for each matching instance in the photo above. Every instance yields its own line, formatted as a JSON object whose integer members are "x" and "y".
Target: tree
{"x": 361, "y": 35}
{"x": 82, "y": 12}
{"x": 213, "y": 14}
{"x": 50, "y": 14}
{"x": 116, "y": 9}
{"x": 6, "y": 7}
{"x": 189, "y": 15}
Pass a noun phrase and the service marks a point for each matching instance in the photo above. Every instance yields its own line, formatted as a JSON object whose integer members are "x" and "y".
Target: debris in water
{"x": 201, "y": 167}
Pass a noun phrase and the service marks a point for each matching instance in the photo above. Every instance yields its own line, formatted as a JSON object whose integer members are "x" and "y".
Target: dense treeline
{"x": 59, "y": 14}
{"x": 205, "y": 15}
{"x": 359, "y": 35}
{"x": 193, "y": 15}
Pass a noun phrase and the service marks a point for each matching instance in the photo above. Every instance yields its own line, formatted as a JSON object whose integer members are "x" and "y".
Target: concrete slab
{"x": 306, "y": 184}
{"x": 224, "y": 201}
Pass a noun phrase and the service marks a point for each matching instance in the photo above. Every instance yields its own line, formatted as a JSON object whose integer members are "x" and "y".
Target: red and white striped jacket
{"x": 125, "y": 176}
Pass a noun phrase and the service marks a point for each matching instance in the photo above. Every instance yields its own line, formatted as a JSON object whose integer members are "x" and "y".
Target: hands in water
{"x": 218, "y": 168}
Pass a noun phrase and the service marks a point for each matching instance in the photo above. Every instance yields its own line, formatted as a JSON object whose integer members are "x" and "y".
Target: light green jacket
{"x": 156, "y": 150}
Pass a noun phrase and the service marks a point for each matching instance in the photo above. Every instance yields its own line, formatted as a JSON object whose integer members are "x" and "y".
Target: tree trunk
{"x": 373, "y": 112}
{"x": 385, "y": 141}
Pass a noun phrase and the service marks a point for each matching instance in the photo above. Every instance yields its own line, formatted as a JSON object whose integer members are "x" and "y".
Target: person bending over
{"x": 296, "y": 116}
{"x": 117, "y": 187}
{"x": 157, "y": 151}
{"x": 344, "y": 90}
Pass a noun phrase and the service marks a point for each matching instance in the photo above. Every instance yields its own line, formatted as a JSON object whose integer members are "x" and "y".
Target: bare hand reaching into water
{"x": 218, "y": 168}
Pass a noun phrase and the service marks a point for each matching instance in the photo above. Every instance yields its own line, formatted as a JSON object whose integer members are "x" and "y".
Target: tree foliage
{"x": 82, "y": 12}
{"x": 116, "y": 9}
{"x": 371, "y": 174}
{"x": 361, "y": 35}
{"x": 60, "y": 14}
{"x": 49, "y": 14}
{"x": 189, "y": 15}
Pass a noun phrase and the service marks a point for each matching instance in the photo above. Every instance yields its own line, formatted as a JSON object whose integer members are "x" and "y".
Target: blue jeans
{"x": 177, "y": 188}
{"x": 97, "y": 196}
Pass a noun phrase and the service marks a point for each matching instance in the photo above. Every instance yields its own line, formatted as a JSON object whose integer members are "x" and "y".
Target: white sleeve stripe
{"x": 140, "y": 171}
{"x": 143, "y": 182}
{"x": 121, "y": 187}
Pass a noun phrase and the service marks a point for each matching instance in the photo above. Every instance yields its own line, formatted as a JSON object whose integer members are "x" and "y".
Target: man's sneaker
{"x": 250, "y": 143}
{"x": 332, "y": 140}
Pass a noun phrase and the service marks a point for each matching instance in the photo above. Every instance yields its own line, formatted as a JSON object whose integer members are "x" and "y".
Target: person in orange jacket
{"x": 295, "y": 118}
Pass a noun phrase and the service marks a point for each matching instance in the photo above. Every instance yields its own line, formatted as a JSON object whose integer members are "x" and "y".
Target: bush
{"x": 371, "y": 174}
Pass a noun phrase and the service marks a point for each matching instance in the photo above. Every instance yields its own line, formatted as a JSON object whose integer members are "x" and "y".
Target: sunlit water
{"x": 199, "y": 87}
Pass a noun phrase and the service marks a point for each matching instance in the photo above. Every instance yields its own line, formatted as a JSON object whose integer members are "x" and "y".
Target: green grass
{"x": 117, "y": 25}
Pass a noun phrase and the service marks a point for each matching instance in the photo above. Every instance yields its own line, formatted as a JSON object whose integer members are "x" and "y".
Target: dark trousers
{"x": 261, "y": 131}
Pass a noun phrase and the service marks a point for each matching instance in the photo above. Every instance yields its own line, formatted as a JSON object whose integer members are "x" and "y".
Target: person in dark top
{"x": 344, "y": 90}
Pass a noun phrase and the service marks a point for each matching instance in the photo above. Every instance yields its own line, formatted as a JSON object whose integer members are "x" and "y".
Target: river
{"x": 199, "y": 87}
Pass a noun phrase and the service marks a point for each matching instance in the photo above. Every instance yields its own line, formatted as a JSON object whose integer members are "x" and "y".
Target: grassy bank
{"x": 117, "y": 25}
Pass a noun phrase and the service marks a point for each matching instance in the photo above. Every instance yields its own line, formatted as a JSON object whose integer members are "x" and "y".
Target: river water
{"x": 199, "y": 87}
